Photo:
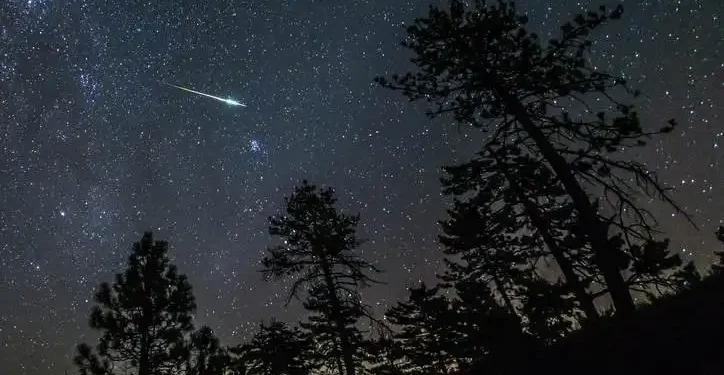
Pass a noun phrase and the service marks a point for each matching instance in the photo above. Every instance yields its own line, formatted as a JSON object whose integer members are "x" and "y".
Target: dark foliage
{"x": 424, "y": 341}
{"x": 435, "y": 334}
{"x": 323, "y": 327}
{"x": 206, "y": 355}
{"x": 319, "y": 252}
{"x": 384, "y": 356}
{"x": 482, "y": 66}
{"x": 488, "y": 336}
{"x": 144, "y": 318}
{"x": 276, "y": 349}
{"x": 504, "y": 233}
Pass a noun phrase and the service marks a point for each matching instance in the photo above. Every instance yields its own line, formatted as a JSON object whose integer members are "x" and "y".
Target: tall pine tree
{"x": 319, "y": 252}
{"x": 144, "y": 318}
{"x": 483, "y": 66}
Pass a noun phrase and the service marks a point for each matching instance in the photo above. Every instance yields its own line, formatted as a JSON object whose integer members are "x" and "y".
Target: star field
{"x": 94, "y": 149}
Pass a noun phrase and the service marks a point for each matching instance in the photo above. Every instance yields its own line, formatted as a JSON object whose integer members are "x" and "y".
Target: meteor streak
{"x": 227, "y": 101}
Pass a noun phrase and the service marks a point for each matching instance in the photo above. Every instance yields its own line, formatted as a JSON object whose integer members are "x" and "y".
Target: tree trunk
{"x": 504, "y": 294}
{"x": 564, "y": 263}
{"x": 336, "y": 306}
{"x": 543, "y": 228}
{"x": 597, "y": 235}
{"x": 143, "y": 361}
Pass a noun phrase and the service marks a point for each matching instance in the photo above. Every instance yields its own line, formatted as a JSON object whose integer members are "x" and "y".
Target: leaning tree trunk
{"x": 504, "y": 294}
{"x": 544, "y": 230}
{"x": 596, "y": 231}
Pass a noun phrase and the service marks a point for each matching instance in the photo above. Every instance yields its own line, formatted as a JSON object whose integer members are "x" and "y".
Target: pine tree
{"x": 276, "y": 349}
{"x": 144, "y": 318}
{"x": 548, "y": 309}
{"x": 318, "y": 252}
{"x": 503, "y": 228}
{"x": 652, "y": 270}
{"x": 469, "y": 332}
{"x": 424, "y": 334}
{"x": 487, "y": 337}
{"x": 482, "y": 66}
{"x": 501, "y": 233}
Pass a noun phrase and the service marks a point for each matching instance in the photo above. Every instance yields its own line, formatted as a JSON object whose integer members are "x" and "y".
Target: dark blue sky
{"x": 94, "y": 150}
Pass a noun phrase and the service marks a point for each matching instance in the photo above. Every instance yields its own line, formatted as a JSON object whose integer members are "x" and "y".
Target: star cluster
{"x": 94, "y": 149}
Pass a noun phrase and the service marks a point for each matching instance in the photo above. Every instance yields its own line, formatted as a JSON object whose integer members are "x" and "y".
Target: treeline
{"x": 546, "y": 236}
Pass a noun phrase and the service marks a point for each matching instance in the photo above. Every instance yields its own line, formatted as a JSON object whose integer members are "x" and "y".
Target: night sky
{"x": 94, "y": 149}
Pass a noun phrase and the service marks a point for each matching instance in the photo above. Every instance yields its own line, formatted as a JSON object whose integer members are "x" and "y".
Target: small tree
{"x": 548, "y": 308}
{"x": 651, "y": 269}
{"x": 424, "y": 337}
{"x": 470, "y": 331}
{"x": 487, "y": 337}
{"x": 318, "y": 251}
{"x": 276, "y": 349}
{"x": 144, "y": 318}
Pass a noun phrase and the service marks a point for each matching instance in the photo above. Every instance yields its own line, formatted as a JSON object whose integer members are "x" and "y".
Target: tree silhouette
{"x": 424, "y": 337}
{"x": 276, "y": 349}
{"x": 470, "y": 332}
{"x": 488, "y": 337}
{"x": 322, "y": 326}
{"x": 547, "y": 307}
{"x": 503, "y": 234}
{"x": 482, "y": 66}
{"x": 318, "y": 252}
{"x": 516, "y": 218}
{"x": 651, "y": 268}
{"x": 144, "y": 318}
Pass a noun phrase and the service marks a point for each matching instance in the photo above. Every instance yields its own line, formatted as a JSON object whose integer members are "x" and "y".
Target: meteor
{"x": 227, "y": 101}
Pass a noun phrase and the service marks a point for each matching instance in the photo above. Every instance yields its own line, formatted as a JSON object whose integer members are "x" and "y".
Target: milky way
{"x": 93, "y": 151}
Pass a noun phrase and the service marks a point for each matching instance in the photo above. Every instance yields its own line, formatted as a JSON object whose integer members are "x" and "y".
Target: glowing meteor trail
{"x": 227, "y": 101}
